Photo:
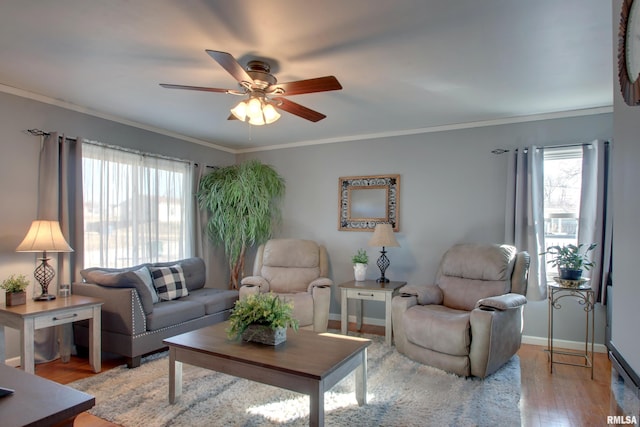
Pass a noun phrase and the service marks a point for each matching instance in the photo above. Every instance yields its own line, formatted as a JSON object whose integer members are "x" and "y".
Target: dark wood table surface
{"x": 38, "y": 401}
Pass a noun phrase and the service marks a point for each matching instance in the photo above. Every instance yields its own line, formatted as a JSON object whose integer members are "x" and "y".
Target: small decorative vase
{"x": 265, "y": 334}
{"x": 569, "y": 274}
{"x": 15, "y": 298}
{"x": 360, "y": 271}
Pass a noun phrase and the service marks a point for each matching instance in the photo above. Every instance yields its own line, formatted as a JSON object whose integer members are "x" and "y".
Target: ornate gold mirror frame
{"x": 364, "y": 201}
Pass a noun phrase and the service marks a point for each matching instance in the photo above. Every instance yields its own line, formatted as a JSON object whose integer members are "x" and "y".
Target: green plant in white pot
{"x": 570, "y": 259}
{"x": 360, "y": 261}
{"x": 14, "y": 287}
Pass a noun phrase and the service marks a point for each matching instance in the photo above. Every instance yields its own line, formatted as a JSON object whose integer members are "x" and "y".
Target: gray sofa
{"x": 147, "y": 303}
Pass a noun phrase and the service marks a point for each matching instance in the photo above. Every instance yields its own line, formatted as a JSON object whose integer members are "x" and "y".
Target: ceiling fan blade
{"x": 232, "y": 117}
{"x": 204, "y": 89}
{"x": 298, "y": 110}
{"x": 230, "y": 64}
{"x": 319, "y": 84}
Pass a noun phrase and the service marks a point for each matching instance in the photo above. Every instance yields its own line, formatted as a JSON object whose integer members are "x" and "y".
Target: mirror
{"x": 365, "y": 201}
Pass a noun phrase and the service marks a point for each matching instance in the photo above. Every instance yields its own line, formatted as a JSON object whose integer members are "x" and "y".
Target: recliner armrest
{"x": 430, "y": 294}
{"x": 502, "y": 302}
{"x": 258, "y": 281}
{"x": 321, "y": 282}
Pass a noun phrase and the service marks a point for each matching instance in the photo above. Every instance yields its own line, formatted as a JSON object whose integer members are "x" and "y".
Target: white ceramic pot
{"x": 360, "y": 271}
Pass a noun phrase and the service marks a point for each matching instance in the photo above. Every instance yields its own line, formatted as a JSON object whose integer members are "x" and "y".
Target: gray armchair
{"x": 470, "y": 321}
{"x": 297, "y": 270}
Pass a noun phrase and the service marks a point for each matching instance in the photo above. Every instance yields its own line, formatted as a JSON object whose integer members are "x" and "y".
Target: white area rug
{"x": 400, "y": 392}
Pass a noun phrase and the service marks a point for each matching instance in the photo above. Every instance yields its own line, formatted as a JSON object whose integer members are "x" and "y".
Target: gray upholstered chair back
{"x": 290, "y": 265}
{"x": 470, "y": 272}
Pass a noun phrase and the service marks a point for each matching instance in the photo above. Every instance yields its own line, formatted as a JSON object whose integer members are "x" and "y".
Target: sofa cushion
{"x": 169, "y": 282}
{"x": 439, "y": 328}
{"x": 120, "y": 278}
{"x": 171, "y": 313}
{"x": 214, "y": 300}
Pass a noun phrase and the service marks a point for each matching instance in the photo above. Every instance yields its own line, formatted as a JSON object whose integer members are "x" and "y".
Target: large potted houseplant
{"x": 261, "y": 317}
{"x": 360, "y": 261}
{"x": 244, "y": 204}
{"x": 14, "y": 287}
{"x": 570, "y": 259}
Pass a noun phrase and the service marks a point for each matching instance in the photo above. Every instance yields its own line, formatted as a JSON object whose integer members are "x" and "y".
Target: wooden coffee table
{"x": 37, "y": 401}
{"x": 307, "y": 362}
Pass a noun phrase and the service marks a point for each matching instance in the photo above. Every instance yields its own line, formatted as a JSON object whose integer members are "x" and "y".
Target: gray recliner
{"x": 297, "y": 270}
{"x": 470, "y": 321}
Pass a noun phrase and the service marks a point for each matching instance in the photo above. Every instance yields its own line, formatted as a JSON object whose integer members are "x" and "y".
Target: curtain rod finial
{"x": 499, "y": 151}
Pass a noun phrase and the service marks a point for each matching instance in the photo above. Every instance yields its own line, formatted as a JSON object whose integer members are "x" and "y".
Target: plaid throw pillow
{"x": 169, "y": 282}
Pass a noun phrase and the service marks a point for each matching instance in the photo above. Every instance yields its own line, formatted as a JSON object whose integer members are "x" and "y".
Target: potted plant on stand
{"x": 15, "y": 287}
{"x": 261, "y": 317}
{"x": 571, "y": 260}
{"x": 360, "y": 261}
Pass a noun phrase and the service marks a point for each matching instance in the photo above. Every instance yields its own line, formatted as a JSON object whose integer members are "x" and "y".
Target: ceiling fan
{"x": 265, "y": 94}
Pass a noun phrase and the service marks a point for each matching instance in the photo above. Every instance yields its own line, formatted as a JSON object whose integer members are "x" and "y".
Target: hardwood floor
{"x": 568, "y": 397}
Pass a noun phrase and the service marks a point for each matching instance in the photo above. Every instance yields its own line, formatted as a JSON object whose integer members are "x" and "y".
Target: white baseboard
{"x": 564, "y": 344}
{"x": 14, "y": 362}
{"x": 526, "y": 339}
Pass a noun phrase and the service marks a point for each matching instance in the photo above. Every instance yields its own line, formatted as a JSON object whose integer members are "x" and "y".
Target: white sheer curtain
{"x": 137, "y": 207}
{"x": 595, "y": 214}
{"x": 524, "y": 221}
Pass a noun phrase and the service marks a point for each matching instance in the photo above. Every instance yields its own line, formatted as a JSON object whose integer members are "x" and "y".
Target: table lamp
{"x": 44, "y": 236}
{"x": 383, "y": 236}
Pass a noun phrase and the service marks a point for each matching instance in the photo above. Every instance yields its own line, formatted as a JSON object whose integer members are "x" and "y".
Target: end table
{"x": 368, "y": 290}
{"x": 41, "y": 314}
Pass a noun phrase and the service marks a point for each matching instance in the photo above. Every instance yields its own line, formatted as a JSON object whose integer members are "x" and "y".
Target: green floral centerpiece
{"x": 14, "y": 287}
{"x": 261, "y": 317}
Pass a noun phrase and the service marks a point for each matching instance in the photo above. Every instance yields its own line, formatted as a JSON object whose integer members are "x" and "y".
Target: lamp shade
{"x": 383, "y": 236}
{"x": 44, "y": 236}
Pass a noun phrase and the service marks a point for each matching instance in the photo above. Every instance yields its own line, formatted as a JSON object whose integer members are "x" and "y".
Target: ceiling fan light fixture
{"x": 270, "y": 114}
{"x": 255, "y": 111}
{"x": 240, "y": 111}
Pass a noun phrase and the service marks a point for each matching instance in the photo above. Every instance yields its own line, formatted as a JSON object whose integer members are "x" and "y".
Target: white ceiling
{"x": 406, "y": 66}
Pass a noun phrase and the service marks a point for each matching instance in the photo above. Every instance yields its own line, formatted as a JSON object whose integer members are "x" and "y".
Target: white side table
{"x": 368, "y": 290}
{"x": 42, "y": 314}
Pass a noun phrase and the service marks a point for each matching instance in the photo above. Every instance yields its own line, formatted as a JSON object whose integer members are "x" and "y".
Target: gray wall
{"x": 453, "y": 189}
{"x": 626, "y": 211}
{"x": 19, "y": 171}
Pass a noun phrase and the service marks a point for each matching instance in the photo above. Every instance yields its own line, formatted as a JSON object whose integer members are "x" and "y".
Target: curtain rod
{"x": 39, "y": 132}
{"x": 581, "y": 144}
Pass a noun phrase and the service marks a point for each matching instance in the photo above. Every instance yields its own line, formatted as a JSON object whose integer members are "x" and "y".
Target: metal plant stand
{"x": 585, "y": 296}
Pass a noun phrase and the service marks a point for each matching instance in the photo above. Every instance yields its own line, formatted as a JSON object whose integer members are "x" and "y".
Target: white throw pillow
{"x": 169, "y": 282}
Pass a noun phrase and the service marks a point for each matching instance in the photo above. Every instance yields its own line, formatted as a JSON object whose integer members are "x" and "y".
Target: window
{"x": 562, "y": 189}
{"x": 137, "y": 208}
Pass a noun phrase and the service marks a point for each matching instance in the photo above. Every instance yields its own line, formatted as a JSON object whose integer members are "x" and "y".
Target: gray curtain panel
{"x": 524, "y": 220}
{"x": 60, "y": 199}
{"x": 596, "y": 222}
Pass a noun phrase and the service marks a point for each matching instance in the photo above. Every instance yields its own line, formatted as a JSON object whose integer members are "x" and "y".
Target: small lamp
{"x": 383, "y": 236}
{"x": 44, "y": 236}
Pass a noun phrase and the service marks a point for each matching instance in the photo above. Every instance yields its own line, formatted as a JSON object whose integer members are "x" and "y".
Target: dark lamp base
{"x": 44, "y": 297}
{"x": 382, "y": 280}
